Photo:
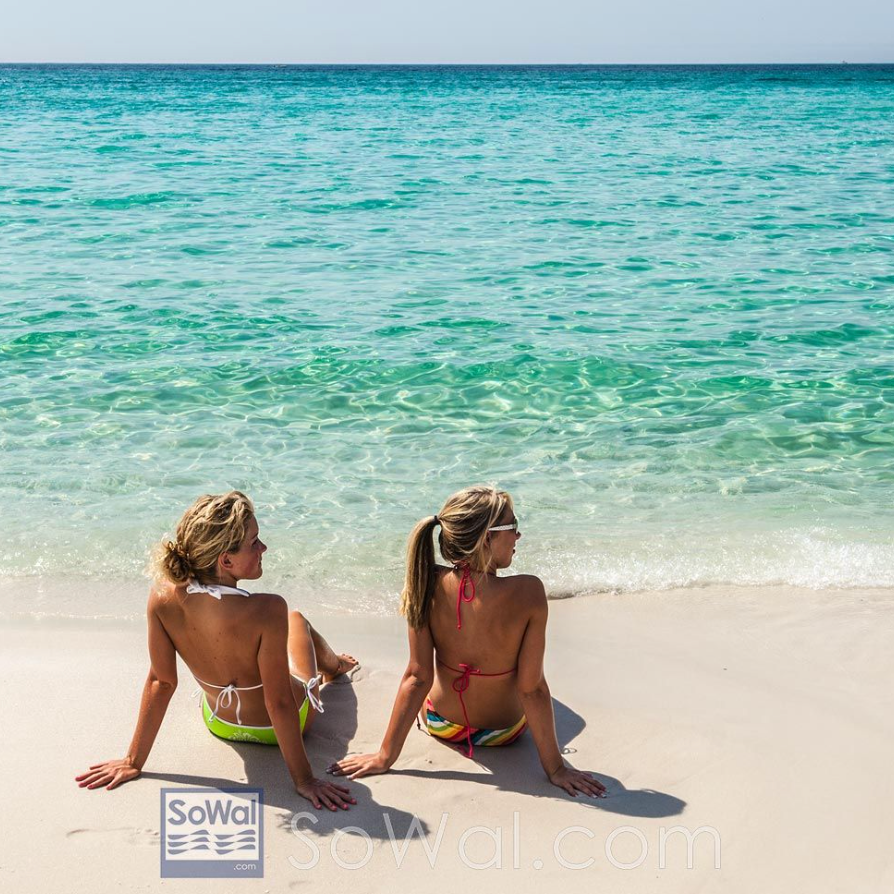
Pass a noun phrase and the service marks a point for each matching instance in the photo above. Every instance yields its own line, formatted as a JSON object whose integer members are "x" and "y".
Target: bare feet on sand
{"x": 346, "y": 663}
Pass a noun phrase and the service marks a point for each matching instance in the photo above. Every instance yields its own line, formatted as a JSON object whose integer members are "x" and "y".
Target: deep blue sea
{"x": 654, "y": 303}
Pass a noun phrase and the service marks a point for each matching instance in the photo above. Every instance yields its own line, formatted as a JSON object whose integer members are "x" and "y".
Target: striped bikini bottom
{"x": 442, "y": 728}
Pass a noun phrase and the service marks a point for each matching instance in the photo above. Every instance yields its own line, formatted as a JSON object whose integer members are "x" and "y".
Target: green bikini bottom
{"x": 237, "y": 732}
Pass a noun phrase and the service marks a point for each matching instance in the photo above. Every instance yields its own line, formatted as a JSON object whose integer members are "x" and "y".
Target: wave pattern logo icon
{"x": 202, "y": 839}
{"x": 219, "y": 843}
{"x": 212, "y": 833}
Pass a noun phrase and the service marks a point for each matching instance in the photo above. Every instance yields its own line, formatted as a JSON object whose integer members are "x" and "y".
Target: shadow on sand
{"x": 326, "y": 743}
{"x": 516, "y": 768}
{"x": 512, "y": 769}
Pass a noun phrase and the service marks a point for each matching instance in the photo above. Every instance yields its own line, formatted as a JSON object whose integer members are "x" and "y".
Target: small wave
{"x": 120, "y": 203}
{"x": 360, "y": 205}
{"x": 809, "y": 559}
{"x": 596, "y": 224}
{"x": 469, "y": 323}
{"x": 199, "y": 250}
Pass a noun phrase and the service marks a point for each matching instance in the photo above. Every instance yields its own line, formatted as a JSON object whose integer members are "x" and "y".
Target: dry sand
{"x": 763, "y": 714}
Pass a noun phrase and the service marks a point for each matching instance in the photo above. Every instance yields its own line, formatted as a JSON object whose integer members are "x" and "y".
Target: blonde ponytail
{"x": 415, "y": 601}
{"x": 464, "y": 520}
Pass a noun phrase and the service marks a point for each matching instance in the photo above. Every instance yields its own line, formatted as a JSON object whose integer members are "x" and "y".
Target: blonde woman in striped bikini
{"x": 476, "y": 643}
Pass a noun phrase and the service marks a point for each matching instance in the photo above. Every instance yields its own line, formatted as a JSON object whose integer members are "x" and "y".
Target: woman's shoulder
{"x": 526, "y": 587}
{"x": 440, "y": 573}
{"x": 162, "y": 593}
{"x": 527, "y": 581}
{"x": 269, "y": 606}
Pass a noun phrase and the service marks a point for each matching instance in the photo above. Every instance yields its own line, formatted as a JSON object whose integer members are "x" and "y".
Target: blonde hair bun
{"x": 213, "y": 525}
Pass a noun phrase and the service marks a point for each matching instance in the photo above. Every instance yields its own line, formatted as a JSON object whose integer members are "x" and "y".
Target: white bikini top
{"x": 225, "y": 696}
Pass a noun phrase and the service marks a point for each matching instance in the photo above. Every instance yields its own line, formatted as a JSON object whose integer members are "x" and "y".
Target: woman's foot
{"x": 345, "y": 664}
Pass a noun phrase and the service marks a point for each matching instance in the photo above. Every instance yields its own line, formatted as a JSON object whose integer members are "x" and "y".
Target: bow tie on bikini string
{"x": 227, "y": 694}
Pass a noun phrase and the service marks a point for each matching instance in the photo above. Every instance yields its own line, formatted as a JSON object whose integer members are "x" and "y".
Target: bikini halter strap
{"x": 465, "y": 583}
{"x": 215, "y": 590}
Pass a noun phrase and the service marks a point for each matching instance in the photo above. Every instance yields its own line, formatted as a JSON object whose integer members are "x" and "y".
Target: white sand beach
{"x": 764, "y": 714}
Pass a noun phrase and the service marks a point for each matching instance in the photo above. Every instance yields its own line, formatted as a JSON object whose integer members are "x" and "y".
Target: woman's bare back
{"x": 490, "y": 638}
{"x": 218, "y": 640}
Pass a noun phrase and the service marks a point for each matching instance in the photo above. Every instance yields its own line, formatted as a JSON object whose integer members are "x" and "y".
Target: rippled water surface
{"x": 654, "y": 303}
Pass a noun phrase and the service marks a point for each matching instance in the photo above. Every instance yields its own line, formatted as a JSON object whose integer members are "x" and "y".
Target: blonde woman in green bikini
{"x": 197, "y": 611}
{"x": 476, "y": 643}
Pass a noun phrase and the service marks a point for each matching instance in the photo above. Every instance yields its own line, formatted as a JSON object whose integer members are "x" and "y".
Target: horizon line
{"x": 455, "y": 64}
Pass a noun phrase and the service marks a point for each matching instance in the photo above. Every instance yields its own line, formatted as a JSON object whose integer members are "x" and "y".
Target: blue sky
{"x": 499, "y": 31}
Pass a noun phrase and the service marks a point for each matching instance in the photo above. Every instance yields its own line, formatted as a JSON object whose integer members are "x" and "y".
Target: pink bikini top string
{"x": 461, "y": 684}
{"x": 461, "y": 596}
{"x": 466, "y": 671}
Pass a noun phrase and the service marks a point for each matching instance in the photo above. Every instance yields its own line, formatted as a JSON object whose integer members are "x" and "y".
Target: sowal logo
{"x": 212, "y": 833}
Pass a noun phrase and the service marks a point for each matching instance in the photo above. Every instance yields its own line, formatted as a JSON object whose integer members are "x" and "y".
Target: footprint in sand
{"x": 131, "y": 835}
{"x": 351, "y": 675}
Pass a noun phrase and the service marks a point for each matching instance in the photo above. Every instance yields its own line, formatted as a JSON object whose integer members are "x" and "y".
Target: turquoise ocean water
{"x": 656, "y": 304}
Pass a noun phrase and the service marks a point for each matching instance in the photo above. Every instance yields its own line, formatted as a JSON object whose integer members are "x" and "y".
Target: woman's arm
{"x": 157, "y": 691}
{"x": 538, "y": 704}
{"x": 414, "y": 687}
{"x": 273, "y": 664}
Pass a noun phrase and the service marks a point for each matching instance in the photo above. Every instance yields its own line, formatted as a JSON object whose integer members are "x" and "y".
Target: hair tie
{"x": 436, "y": 520}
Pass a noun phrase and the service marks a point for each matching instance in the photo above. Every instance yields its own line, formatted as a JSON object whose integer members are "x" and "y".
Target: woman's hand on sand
{"x": 574, "y": 781}
{"x": 356, "y": 765}
{"x": 109, "y": 773}
{"x": 325, "y": 794}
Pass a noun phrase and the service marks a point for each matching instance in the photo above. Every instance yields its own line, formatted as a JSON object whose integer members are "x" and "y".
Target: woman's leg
{"x": 310, "y": 654}
{"x": 302, "y": 660}
{"x": 329, "y": 663}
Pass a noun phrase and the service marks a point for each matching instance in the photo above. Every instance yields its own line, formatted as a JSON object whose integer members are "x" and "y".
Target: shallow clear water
{"x": 654, "y": 303}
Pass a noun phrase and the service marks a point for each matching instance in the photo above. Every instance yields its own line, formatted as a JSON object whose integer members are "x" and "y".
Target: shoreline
{"x": 60, "y": 599}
